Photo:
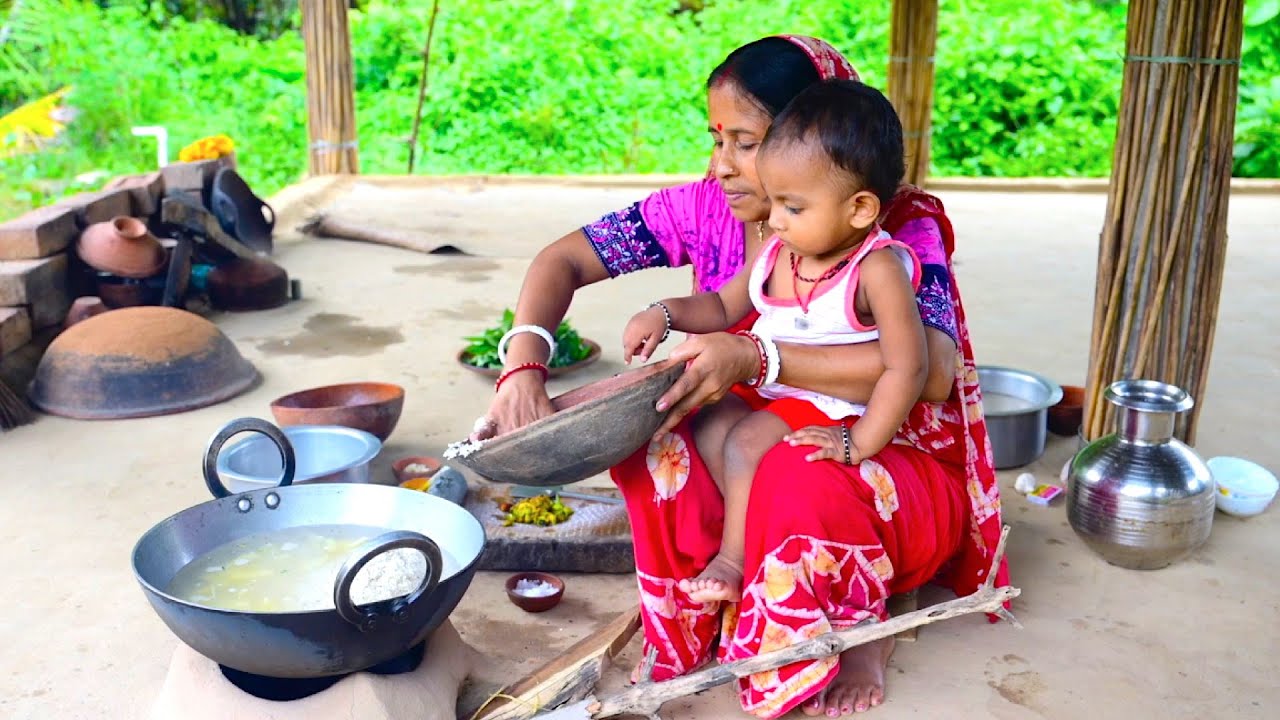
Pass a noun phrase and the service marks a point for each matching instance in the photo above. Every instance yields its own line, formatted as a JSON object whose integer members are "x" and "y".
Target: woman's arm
{"x": 555, "y": 274}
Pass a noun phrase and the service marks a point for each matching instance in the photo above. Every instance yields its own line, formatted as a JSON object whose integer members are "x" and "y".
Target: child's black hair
{"x": 857, "y": 128}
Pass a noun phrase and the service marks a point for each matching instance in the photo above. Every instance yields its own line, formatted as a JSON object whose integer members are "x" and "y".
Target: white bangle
{"x": 540, "y": 332}
{"x": 774, "y": 359}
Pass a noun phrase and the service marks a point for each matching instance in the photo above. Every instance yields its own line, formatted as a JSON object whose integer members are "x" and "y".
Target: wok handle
{"x": 235, "y": 427}
{"x": 367, "y": 620}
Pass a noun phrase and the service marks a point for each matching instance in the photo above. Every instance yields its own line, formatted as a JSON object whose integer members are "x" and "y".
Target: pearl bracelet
{"x": 540, "y": 332}
{"x": 666, "y": 332}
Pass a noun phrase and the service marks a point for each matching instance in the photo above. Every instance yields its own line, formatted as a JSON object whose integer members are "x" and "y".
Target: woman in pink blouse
{"x": 827, "y": 543}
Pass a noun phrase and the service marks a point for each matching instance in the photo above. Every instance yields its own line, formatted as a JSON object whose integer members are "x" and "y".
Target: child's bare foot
{"x": 720, "y": 581}
{"x": 859, "y": 686}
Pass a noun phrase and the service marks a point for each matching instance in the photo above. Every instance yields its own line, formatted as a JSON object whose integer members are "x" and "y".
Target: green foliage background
{"x": 571, "y": 86}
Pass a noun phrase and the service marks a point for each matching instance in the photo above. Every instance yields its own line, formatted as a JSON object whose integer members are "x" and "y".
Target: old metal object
{"x": 594, "y": 428}
{"x": 189, "y": 215}
{"x": 248, "y": 284}
{"x": 343, "y": 639}
{"x": 325, "y": 453}
{"x": 1015, "y": 403}
{"x": 139, "y": 362}
{"x": 370, "y": 406}
{"x": 1141, "y": 498}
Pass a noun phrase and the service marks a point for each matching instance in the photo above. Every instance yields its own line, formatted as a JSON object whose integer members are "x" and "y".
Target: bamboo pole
{"x": 331, "y": 115}
{"x": 913, "y": 38}
{"x": 1163, "y": 242}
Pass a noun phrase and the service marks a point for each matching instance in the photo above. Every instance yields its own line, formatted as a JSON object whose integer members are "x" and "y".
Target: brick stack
{"x": 40, "y": 274}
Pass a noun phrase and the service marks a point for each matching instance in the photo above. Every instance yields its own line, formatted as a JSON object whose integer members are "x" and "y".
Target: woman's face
{"x": 737, "y": 126}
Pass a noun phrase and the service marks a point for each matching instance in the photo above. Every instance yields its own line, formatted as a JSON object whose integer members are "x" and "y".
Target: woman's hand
{"x": 643, "y": 333}
{"x": 521, "y": 400}
{"x": 713, "y": 363}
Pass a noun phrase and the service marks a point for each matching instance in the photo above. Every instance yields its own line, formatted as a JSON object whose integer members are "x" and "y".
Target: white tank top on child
{"x": 831, "y": 319}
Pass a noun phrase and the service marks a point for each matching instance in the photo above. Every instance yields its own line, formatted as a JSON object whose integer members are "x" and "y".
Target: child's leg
{"x": 711, "y": 425}
{"x": 744, "y": 446}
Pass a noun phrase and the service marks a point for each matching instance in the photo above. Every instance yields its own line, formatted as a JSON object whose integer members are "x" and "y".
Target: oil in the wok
{"x": 293, "y": 570}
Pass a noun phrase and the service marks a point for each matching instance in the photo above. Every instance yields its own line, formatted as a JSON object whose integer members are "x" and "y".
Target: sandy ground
{"x": 1194, "y": 640}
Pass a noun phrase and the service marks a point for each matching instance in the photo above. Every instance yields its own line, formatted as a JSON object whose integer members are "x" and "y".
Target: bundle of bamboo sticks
{"x": 331, "y": 111}
{"x": 913, "y": 38}
{"x": 1164, "y": 240}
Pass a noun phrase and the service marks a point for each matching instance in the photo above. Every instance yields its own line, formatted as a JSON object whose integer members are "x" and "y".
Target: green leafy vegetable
{"x": 482, "y": 349}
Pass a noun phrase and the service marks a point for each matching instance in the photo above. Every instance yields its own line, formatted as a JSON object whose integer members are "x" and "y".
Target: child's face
{"x": 811, "y": 208}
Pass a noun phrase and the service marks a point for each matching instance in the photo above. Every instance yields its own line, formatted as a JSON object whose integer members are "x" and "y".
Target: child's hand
{"x": 830, "y": 441}
{"x": 643, "y": 333}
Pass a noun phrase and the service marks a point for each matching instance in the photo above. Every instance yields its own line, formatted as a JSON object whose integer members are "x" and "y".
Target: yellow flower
{"x": 207, "y": 148}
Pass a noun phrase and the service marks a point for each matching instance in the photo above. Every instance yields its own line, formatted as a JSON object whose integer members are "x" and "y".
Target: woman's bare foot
{"x": 859, "y": 686}
{"x": 721, "y": 580}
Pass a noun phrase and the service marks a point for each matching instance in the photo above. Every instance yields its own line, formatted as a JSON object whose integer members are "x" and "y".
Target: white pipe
{"x": 162, "y": 141}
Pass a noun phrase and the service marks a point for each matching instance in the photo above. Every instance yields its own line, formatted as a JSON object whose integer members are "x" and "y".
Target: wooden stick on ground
{"x": 329, "y": 226}
{"x": 646, "y": 698}
{"x": 568, "y": 678}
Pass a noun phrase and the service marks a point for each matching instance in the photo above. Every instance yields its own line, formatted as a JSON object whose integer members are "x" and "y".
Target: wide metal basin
{"x": 1015, "y": 404}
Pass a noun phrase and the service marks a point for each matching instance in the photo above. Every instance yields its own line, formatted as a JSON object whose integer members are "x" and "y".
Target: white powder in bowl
{"x": 534, "y": 587}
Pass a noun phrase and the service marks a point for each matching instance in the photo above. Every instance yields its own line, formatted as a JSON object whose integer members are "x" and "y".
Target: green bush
{"x": 575, "y": 86}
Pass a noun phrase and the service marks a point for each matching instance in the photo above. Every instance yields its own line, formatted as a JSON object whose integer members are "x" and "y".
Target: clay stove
{"x": 421, "y": 684}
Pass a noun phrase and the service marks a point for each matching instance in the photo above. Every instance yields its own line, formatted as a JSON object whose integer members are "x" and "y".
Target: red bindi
{"x": 719, "y": 127}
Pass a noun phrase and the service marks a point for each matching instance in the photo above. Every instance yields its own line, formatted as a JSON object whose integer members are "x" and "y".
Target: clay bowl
{"x": 83, "y": 308}
{"x": 594, "y": 427}
{"x": 535, "y": 604}
{"x": 369, "y": 406}
{"x": 403, "y": 475}
{"x": 248, "y": 284}
{"x": 553, "y": 372}
{"x": 121, "y": 246}
{"x": 1065, "y": 417}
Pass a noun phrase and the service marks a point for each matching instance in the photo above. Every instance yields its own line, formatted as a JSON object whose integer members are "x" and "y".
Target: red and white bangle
{"x": 759, "y": 379}
{"x": 775, "y": 360}
{"x": 497, "y": 385}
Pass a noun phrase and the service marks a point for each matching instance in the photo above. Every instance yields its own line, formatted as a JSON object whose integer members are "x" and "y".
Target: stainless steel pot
{"x": 1016, "y": 404}
{"x": 1140, "y": 498}
{"x": 345, "y": 639}
{"x": 324, "y": 453}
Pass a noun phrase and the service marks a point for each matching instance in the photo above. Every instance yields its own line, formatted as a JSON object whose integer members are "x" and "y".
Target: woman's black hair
{"x": 772, "y": 71}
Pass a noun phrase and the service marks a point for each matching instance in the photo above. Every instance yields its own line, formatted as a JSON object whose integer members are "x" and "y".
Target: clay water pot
{"x": 123, "y": 247}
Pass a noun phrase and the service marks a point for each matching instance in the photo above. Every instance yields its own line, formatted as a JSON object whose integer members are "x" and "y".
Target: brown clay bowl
{"x": 83, "y": 308}
{"x": 369, "y": 406}
{"x": 1065, "y": 417}
{"x": 403, "y": 475}
{"x": 121, "y": 246}
{"x": 535, "y": 604}
{"x": 552, "y": 372}
{"x": 594, "y": 427}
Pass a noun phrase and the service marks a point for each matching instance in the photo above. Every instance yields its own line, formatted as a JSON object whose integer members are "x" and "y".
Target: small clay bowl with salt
{"x": 414, "y": 466}
{"x": 593, "y": 428}
{"x": 534, "y": 603}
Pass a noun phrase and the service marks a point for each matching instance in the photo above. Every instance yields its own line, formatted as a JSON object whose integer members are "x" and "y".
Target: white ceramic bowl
{"x": 1244, "y": 488}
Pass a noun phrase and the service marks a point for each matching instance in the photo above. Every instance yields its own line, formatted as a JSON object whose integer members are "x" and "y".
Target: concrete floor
{"x": 1194, "y": 640}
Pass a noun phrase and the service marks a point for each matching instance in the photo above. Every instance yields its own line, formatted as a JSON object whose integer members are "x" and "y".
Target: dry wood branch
{"x": 335, "y": 227}
{"x": 645, "y": 698}
{"x": 566, "y": 679}
{"x": 422, "y": 85}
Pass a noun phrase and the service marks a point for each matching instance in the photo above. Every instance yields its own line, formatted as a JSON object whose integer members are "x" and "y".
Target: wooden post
{"x": 331, "y": 114}
{"x": 914, "y": 36}
{"x": 1164, "y": 239}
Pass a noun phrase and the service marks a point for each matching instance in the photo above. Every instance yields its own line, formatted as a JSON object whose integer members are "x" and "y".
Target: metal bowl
{"x": 325, "y": 454}
{"x": 1016, "y": 404}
